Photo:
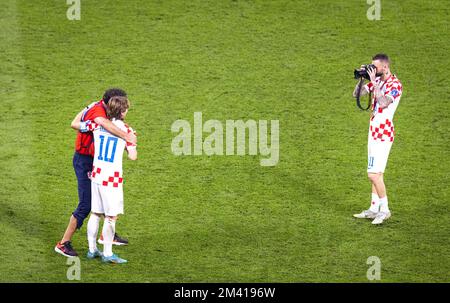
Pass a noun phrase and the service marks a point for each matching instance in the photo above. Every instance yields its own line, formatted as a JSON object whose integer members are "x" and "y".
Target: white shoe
{"x": 381, "y": 216}
{"x": 366, "y": 214}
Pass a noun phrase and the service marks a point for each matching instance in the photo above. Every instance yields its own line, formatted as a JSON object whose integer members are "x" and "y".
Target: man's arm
{"x": 83, "y": 126}
{"x": 77, "y": 121}
{"x": 382, "y": 100}
{"x": 113, "y": 129}
{"x": 130, "y": 147}
{"x": 132, "y": 153}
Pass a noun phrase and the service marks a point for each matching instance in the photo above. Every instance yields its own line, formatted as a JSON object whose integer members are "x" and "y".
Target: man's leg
{"x": 116, "y": 194}
{"x": 64, "y": 247}
{"x": 109, "y": 229}
{"x": 374, "y": 190}
{"x": 384, "y": 206}
{"x": 92, "y": 231}
{"x": 82, "y": 165}
{"x": 70, "y": 230}
{"x": 378, "y": 184}
{"x": 112, "y": 202}
{"x": 375, "y": 202}
{"x": 378, "y": 181}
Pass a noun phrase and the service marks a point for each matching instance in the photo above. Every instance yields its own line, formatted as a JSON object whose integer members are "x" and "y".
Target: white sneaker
{"x": 381, "y": 216}
{"x": 366, "y": 214}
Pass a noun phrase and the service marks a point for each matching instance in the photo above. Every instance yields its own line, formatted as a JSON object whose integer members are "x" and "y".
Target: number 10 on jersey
{"x": 103, "y": 153}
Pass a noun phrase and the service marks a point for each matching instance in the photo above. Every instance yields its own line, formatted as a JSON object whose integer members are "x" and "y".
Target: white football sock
{"x": 375, "y": 203}
{"x": 92, "y": 230}
{"x": 109, "y": 229}
{"x": 384, "y": 207}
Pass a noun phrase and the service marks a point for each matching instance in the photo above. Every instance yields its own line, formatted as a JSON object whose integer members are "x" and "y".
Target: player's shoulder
{"x": 395, "y": 80}
{"x": 129, "y": 129}
{"x": 99, "y": 106}
{"x": 394, "y": 84}
{"x": 94, "y": 110}
{"x": 119, "y": 123}
{"x": 122, "y": 125}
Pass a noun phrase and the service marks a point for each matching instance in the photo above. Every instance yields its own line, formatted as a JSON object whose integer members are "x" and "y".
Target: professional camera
{"x": 362, "y": 72}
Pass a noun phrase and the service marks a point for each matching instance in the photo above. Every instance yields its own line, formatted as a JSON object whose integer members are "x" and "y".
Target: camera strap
{"x": 358, "y": 95}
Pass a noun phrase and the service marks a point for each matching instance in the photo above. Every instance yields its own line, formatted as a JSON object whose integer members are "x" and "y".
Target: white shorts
{"x": 106, "y": 199}
{"x": 378, "y": 154}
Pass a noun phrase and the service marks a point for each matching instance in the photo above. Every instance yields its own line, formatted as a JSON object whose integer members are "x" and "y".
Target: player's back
{"x": 107, "y": 167}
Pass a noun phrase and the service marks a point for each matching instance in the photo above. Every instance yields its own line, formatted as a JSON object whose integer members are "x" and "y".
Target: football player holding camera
{"x": 386, "y": 90}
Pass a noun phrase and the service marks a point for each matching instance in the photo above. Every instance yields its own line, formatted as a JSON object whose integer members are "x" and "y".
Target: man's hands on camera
{"x": 382, "y": 100}
{"x": 362, "y": 91}
{"x": 372, "y": 74}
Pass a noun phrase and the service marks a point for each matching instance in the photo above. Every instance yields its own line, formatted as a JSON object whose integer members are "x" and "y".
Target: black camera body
{"x": 362, "y": 73}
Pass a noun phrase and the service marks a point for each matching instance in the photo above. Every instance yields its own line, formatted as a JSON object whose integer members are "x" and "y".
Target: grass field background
{"x": 226, "y": 218}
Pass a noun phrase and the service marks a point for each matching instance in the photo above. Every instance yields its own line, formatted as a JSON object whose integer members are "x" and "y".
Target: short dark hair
{"x": 382, "y": 57}
{"x": 113, "y": 92}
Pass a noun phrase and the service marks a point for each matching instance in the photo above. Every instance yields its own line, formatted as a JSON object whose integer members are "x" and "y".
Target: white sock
{"x": 92, "y": 230}
{"x": 384, "y": 207}
{"x": 375, "y": 203}
{"x": 109, "y": 229}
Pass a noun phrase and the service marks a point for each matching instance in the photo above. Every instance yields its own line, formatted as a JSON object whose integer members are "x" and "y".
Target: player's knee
{"x": 373, "y": 177}
{"x": 111, "y": 218}
{"x": 83, "y": 213}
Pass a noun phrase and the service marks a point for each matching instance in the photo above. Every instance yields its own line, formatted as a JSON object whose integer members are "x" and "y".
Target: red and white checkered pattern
{"x": 384, "y": 132}
{"x": 95, "y": 171}
{"x": 381, "y": 123}
{"x": 91, "y": 126}
{"x": 113, "y": 181}
{"x": 130, "y": 145}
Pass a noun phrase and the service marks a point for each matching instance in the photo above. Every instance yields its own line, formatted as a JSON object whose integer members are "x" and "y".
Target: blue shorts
{"x": 82, "y": 164}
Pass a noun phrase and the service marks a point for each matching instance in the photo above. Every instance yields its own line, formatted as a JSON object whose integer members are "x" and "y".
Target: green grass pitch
{"x": 226, "y": 218}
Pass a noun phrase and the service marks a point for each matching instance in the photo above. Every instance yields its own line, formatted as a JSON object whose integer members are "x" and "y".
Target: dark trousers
{"x": 82, "y": 164}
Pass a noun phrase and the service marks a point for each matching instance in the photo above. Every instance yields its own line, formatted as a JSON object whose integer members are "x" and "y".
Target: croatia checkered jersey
{"x": 107, "y": 166}
{"x": 381, "y": 126}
